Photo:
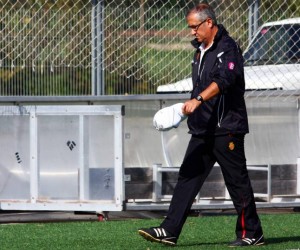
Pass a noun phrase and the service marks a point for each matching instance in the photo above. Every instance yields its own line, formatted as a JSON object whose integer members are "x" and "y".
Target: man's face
{"x": 199, "y": 29}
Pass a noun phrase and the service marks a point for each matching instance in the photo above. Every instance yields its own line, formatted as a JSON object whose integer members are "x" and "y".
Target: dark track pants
{"x": 200, "y": 157}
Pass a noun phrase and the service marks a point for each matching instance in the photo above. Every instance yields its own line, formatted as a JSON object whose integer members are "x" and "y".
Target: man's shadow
{"x": 268, "y": 241}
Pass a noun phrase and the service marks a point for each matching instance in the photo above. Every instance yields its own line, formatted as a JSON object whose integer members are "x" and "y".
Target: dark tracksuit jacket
{"x": 218, "y": 127}
{"x": 223, "y": 64}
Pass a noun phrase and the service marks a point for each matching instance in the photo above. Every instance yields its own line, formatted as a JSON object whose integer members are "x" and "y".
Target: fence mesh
{"x": 132, "y": 47}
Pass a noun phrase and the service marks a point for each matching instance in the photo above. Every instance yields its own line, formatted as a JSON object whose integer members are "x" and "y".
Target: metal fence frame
{"x": 94, "y": 28}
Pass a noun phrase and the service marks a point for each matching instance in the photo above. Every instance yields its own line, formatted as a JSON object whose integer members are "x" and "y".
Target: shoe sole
{"x": 259, "y": 244}
{"x": 149, "y": 237}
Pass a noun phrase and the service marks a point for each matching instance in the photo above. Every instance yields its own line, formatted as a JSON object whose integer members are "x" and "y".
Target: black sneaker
{"x": 247, "y": 242}
{"x": 158, "y": 234}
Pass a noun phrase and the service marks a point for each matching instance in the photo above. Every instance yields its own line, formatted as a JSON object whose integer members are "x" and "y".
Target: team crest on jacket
{"x": 231, "y": 146}
{"x": 231, "y": 66}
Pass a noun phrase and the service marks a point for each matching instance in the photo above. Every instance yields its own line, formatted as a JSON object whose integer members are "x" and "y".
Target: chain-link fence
{"x": 132, "y": 47}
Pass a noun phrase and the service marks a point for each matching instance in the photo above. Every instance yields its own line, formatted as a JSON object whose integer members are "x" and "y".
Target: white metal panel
{"x": 75, "y": 157}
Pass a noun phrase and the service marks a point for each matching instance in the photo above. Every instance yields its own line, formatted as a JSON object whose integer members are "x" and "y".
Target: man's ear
{"x": 210, "y": 22}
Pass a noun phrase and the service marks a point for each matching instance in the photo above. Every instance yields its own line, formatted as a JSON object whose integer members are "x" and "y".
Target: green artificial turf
{"x": 282, "y": 231}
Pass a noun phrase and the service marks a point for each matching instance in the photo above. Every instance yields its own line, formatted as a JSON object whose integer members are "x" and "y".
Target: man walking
{"x": 217, "y": 121}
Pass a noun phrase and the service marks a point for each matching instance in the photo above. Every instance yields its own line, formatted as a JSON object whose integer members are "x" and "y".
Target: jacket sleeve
{"x": 229, "y": 66}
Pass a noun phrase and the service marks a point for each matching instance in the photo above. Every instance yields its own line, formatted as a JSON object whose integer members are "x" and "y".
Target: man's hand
{"x": 190, "y": 106}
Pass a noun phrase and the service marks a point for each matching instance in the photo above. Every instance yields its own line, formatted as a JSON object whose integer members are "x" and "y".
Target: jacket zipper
{"x": 201, "y": 71}
{"x": 220, "y": 118}
{"x": 222, "y": 98}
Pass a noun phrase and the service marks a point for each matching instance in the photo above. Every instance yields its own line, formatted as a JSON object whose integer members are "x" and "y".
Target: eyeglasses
{"x": 196, "y": 27}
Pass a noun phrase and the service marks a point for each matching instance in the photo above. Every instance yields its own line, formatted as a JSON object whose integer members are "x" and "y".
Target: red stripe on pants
{"x": 243, "y": 223}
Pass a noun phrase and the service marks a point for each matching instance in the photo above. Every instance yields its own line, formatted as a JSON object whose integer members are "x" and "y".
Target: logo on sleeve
{"x": 231, "y": 65}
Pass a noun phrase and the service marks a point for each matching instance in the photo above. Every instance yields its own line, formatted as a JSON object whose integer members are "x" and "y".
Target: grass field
{"x": 282, "y": 231}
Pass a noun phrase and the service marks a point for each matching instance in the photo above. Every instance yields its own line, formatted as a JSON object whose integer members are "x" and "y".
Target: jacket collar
{"x": 221, "y": 31}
